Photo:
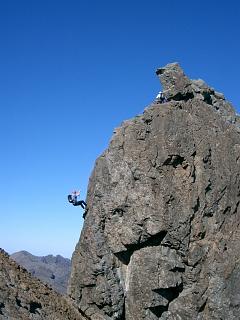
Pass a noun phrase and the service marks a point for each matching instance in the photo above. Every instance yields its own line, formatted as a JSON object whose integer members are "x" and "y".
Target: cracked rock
{"x": 161, "y": 238}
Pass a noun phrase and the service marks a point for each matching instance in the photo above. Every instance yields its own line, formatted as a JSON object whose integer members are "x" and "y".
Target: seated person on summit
{"x": 73, "y": 198}
{"x": 161, "y": 98}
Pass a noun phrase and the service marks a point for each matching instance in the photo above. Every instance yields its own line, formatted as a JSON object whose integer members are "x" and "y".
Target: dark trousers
{"x": 80, "y": 203}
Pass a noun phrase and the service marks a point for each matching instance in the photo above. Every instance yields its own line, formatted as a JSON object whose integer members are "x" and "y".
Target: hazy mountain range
{"x": 53, "y": 270}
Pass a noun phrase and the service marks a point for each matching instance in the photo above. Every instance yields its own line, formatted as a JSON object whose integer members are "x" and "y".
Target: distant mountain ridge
{"x": 53, "y": 270}
{"x": 24, "y": 297}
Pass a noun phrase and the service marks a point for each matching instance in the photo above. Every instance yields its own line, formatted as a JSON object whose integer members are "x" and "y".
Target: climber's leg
{"x": 83, "y": 204}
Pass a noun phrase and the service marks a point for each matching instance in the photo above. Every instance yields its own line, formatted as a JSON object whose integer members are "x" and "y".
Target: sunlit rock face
{"x": 161, "y": 236}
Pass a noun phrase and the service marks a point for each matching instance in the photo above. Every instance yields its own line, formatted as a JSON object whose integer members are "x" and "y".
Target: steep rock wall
{"x": 161, "y": 237}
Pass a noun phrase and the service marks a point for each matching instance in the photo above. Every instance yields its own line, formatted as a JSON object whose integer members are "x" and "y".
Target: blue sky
{"x": 71, "y": 71}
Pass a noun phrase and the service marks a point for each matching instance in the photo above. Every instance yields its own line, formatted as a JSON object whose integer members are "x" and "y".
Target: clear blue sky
{"x": 73, "y": 70}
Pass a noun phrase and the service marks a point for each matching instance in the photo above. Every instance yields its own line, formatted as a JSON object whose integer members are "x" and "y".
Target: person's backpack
{"x": 70, "y": 199}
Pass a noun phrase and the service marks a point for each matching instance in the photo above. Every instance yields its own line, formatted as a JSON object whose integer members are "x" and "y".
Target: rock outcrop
{"x": 53, "y": 270}
{"x": 23, "y": 297}
{"x": 161, "y": 237}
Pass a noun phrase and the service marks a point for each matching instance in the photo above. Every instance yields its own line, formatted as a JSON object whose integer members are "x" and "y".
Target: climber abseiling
{"x": 73, "y": 198}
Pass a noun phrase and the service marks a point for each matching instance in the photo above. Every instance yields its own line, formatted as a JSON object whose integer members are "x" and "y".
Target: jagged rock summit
{"x": 178, "y": 87}
{"x": 161, "y": 237}
{"x": 23, "y": 297}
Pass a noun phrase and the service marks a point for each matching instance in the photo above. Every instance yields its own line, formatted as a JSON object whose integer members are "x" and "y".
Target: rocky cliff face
{"x": 161, "y": 237}
{"x": 23, "y": 297}
{"x": 52, "y": 270}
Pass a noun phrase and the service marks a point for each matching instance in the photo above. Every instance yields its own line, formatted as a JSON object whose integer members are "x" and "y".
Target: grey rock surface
{"x": 53, "y": 270}
{"x": 161, "y": 237}
{"x": 23, "y": 297}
